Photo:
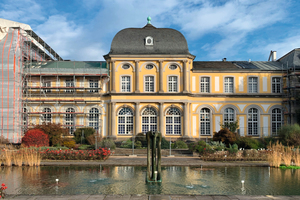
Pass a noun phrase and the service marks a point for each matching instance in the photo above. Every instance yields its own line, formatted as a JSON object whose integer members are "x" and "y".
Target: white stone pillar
{"x": 161, "y": 118}
{"x": 113, "y": 82}
{"x": 137, "y": 118}
{"x": 137, "y": 77}
{"x": 161, "y": 90}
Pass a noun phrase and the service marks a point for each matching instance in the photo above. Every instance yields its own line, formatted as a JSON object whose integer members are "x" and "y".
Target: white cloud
{"x": 69, "y": 40}
{"x": 23, "y": 11}
{"x": 282, "y": 47}
{"x": 232, "y": 21}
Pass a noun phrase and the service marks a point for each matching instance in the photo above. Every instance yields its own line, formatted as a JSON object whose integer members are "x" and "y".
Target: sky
{"x": 82, "y": 30}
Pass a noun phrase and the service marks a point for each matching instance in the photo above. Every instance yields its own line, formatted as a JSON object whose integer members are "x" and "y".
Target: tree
{"x": 232, "y": 126}
{"x": 86, "y": 133}
{"x": 54, "y": 132}
{"x": 225, "y": 136}
{"x": 35, "y": 137}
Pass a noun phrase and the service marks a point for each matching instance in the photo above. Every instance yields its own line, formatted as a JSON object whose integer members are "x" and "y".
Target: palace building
{"x": 148, "y": 81}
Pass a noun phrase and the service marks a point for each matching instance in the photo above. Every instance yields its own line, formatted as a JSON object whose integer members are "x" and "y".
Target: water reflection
{"x": 131, "y": 180}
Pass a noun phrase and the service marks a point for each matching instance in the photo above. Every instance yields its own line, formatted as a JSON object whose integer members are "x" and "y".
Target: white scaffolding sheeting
{"x": 11, "y": 85}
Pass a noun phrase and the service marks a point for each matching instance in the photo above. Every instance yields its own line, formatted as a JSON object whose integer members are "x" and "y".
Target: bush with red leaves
{"x": 35, "y": 137}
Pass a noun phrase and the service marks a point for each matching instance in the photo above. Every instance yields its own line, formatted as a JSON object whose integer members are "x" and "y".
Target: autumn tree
{"x": 54, "y": 131}
{"x": 36, "y": 138}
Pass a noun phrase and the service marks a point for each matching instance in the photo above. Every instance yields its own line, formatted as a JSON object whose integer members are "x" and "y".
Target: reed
{"x": 275, "y": 155}
{"x": 18, "y": 158}
{"x": 7, "y": 158}
{"x": 296, "y": 157}
{"x": 287, "y": 156}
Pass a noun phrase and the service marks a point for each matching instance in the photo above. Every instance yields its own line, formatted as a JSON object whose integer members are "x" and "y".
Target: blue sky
{"x": 232, "y": 29}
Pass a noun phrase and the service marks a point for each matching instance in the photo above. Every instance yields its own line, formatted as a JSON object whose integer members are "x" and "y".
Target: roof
{"x": 237, "y": 65}
{"x": 259, "y": 65}
{"x": 213, "y": 65}
{"x": 165, "y": 41}
{"x": 291, "y": 59}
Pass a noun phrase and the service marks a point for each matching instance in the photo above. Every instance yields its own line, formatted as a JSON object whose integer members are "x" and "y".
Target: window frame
{"x": 128, "y": 121}
{"x": 70, "y": 120}
{"x": 130, "y": 83}
{"x": 46, "y": 83}
{"x": 95, "y": 84}
{"x": 47, "y": 116}
{"x": 154, "y": 83}
{"x": 177, "y": 82}
{"x": 253, "y": 122}
{"x": 173, "y": 123}
{"x": 250, "y": 87}
{"x": 205, "y": 124}
{"x": 276, "y": 122}
{"x": 94, "y": 119}
{"x": 233, "y": 84}
{"x": 150, "y": 118}
{"x": 69, "y": 83}
{"x": 280, "y": 84}
{"x": 224, "y": 114}
{"x": 209, "y": 84}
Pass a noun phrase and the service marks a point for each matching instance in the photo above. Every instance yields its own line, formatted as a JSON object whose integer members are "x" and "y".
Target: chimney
{"x": 274, "y": 55}
{"x": 224, "y": 59}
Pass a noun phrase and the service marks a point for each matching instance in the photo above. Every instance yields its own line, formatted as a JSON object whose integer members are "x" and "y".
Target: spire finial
{"x": 149, "y": 20}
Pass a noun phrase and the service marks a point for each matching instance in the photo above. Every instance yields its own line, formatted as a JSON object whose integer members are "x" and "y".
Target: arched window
{"x": 253, "y": 121}
{"x": 276, "y": 120}
{"x": 70, "y": 120}
{"x": 173, "y": 121}
{"x": 46, "y": 116}
{"x": 205, "y": 121}
{"x": 149, "y": 120}
{"x": 125, "y": 121}
{"x": 228, "y": 115}
{"x": 94, "y": 119}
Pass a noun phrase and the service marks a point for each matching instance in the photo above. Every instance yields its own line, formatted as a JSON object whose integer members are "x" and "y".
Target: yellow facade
{"x": 154, "y": 87}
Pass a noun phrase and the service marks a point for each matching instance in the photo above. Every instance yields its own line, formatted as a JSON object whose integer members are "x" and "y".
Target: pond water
{"x": 131, "y": 180}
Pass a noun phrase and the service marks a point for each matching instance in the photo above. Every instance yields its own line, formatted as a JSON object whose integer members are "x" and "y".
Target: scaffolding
{"x": 18, "y": 48}
{"x": 63, "y": 85}
{"x": 291, "y": 88}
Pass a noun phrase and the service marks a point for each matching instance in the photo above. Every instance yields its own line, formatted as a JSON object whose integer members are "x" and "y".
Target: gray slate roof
{"x": 259, "y": 65}
{"x": 213, "y": 65}
{"x": 165, "y": 41}
{"x": 237, "y": 65}
{"x": 292, "y": 59}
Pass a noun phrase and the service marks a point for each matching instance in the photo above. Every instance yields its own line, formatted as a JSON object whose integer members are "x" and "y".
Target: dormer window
{"x": 149, "y": 41}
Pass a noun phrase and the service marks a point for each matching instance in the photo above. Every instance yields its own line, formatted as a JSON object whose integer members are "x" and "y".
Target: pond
{"x": 131, "y": 180}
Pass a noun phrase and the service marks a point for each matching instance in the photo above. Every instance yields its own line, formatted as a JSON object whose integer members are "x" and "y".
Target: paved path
{"x": 150, "y": 197}
{"x": 165, "y": 161}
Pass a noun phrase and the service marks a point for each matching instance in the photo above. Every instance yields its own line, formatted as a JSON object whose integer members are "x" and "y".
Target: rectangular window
{"x": 228, "y": 84}
{"x": 276, "y": 85}
{"x": 70, "y": 83}
{"x": 46, "y": 86}
{"x": 252, "y": 84}
{"x": 172, "y": 84}
{"x": 204, "y": 84}
{"x": 125, "y": 84}
{"x": 149, "y": 84}
{"x": 94, "y": 84}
